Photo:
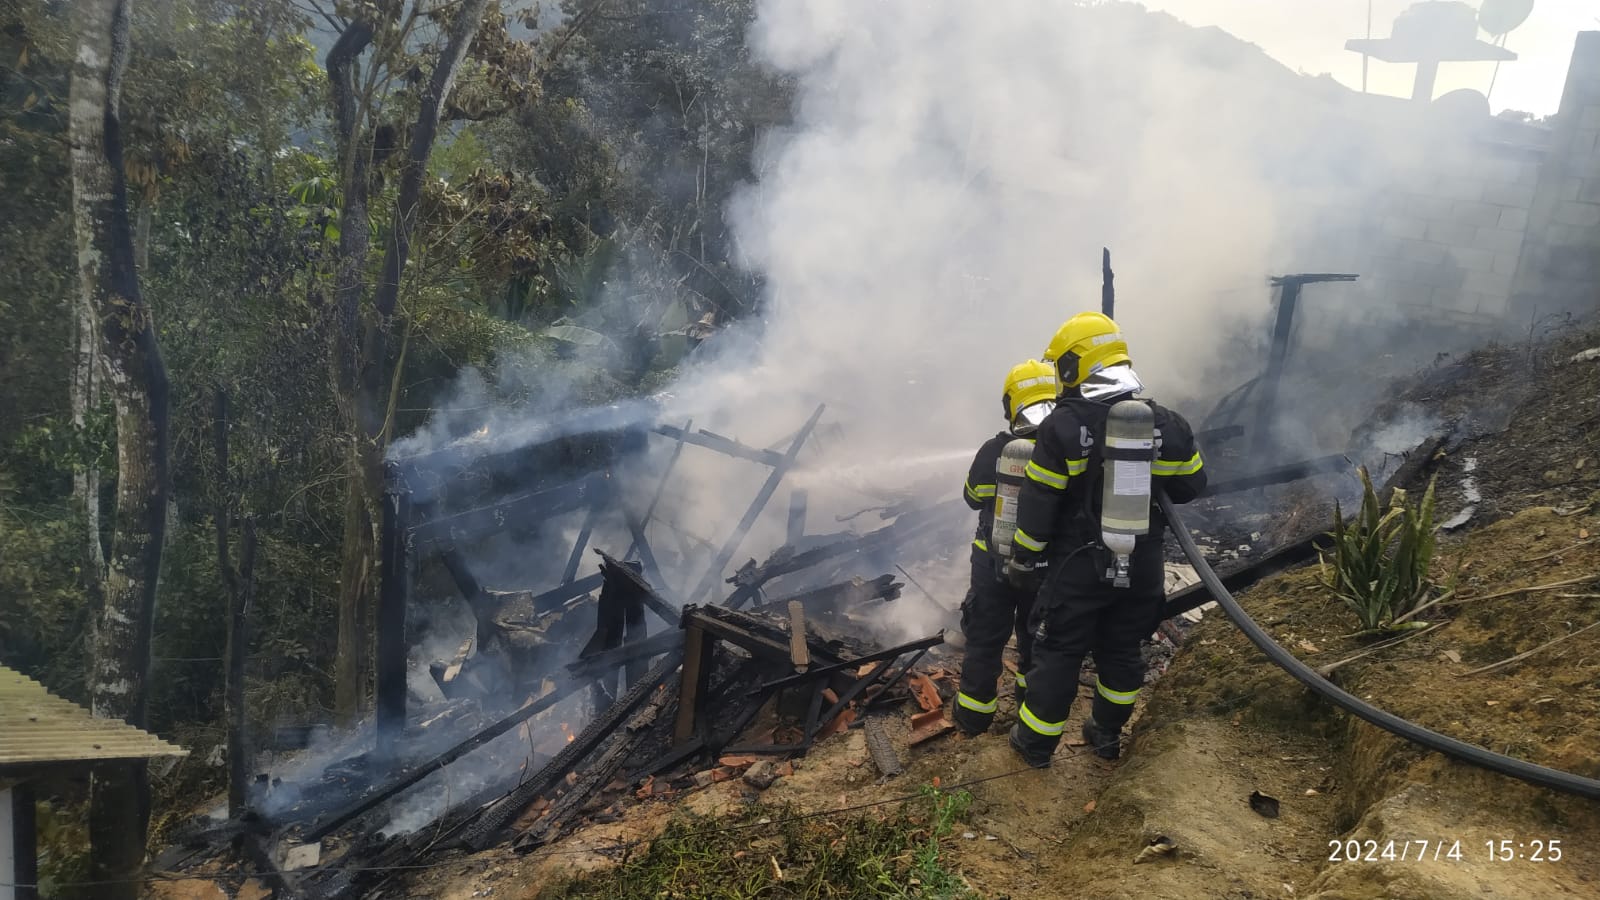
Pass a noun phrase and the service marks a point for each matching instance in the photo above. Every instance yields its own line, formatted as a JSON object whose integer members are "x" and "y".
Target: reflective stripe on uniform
{"x": 981, "y": 545}
{"x": 1046, "y": 477}
{"x": 976, "y": 705}
{"x": 1121, "y": 698}
{"x": 1021, "y": 538}
{"x": 1176, "y": 467}
{"x": 1038, "y": 725}
{"x": 1077, "y": 467}
{"x": 1022, "y": 680}
{"x": 980, "y": 491}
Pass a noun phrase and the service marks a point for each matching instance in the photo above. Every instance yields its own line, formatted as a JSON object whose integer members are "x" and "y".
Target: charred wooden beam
{"x": 825, "y": 671}
{"x": 557, "y": 597}
{"x": 612, "y": 568}
{"x": 797, "y": 517}
{"x": 598, "y": 775}
{"x": 1281, "y": 474}
{"x": 524, "y": 509}
{"x": 394, "y": 594}
{"x": 698, "y": 649}
{"x": 605, "y": 662}
{"x": 1218, "y": 435}
{"x": 650, "y": 510}
{"x": 882, "y": 748}
{"x": 582, "y": 541}
{"x": 749, "y": 580}
{"x": 717, "y": 442}
{"x": 736, "y": 632}
{"x": 883, "y": 690}
{"x": 1300, "y": 551}
{"x": 416, "y": 774}
{"x": 486, "y": 829}
{"x": 779, "y": 470}
{"x": 799, "y": 653}
{"x": 856, "y": 590}
{"x": 1267, "y": 388}
{"x": 1282, "y": 559}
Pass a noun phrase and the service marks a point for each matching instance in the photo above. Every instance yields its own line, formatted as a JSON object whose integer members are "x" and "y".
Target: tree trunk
{"x": 352, "y": 664}
{"x": 136, "y": 380}
{"x": 85, "y": 400}
{"x": 363, "y": 376}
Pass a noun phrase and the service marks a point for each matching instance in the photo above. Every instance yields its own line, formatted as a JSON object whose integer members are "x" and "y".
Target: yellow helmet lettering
{"x": 1028, "y": 384}
{"x": 1085, "y": 344}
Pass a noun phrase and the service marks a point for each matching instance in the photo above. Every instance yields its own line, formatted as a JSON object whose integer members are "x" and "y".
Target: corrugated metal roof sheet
{"x": 36, "y": 726}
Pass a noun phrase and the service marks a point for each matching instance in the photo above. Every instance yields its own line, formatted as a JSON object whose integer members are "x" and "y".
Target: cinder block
{"x": 1506, "y": 263}
{"x": 1512, "y": 219}
{"x": 1421, "y": 251}
{"x": 1457, "y": 187}
{"x": 1454, "y": 234}
{"x": 1583, "y": 215}
{"x": 1498, "y": 240}
{"x": 1497, "y": 170}
{"x": 1473, "y": 260}
{"x": 1475, "y": 212}
{"x": 1571, "y": 236}
{"x": 1518, "y": 196}
{"x": 1493, "y": 283}
{"x": 1404, "y": 227}
{"x": 1420, "y": 205}
{"x": 1492, "y": 304}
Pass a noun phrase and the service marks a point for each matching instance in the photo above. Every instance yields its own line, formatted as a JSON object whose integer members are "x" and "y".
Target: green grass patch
{"x": 773, "y": 852}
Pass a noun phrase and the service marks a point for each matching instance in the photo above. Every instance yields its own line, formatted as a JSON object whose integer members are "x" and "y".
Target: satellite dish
{"x": 1463, "y": 105}
{"x": 1498, "y": 17}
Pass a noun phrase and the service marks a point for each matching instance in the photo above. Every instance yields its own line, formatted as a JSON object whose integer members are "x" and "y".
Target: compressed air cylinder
{"x": 1125, "y": 492}
{"x": 1008, "y": 479}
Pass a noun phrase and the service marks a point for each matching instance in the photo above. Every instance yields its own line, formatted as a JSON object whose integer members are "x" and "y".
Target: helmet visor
{"x": 1030, "y": 417}
{"x": 1113, "y": 382}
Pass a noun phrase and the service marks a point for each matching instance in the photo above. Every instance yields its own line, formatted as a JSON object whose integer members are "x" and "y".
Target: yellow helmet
{"x": 1027, "y": 384}
{"x": 1085, "y": 344}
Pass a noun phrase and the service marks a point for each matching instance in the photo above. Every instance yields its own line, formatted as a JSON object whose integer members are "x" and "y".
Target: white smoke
{"x": 936, "y": 209}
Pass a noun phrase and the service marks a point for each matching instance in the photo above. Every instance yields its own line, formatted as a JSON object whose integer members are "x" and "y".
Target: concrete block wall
{"x": 1559, "y": 269}
{"x": 1447, "y": 238}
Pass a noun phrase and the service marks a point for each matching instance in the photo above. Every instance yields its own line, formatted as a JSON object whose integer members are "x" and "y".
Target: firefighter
{"x": 1102, "y": 586}
{"x": 993, "y": 609}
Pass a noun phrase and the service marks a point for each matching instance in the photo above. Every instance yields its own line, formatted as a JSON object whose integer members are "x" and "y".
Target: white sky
{"x": 1309, "y": 36}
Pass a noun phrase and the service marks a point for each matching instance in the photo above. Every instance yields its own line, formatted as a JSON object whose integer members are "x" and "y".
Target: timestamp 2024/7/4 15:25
{"x": 1505, "y": 850}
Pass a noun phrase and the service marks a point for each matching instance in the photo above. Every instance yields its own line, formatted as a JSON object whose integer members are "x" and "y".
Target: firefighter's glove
{"x": 1025, "y": 572}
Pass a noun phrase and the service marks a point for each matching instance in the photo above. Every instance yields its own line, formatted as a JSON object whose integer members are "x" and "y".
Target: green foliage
{"x": 742, "y": 856}
{"x": 63, "y": 829}
{"x": 1379, "y": 564}
{"x": 42, "y": 598}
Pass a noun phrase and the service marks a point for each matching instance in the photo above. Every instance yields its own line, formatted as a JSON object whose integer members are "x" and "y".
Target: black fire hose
{"x": 1495, "y": 762}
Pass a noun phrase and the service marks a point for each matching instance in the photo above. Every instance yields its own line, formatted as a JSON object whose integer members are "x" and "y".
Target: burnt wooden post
{"x": 1267, "y": 387}
{"x": 797, "y": 517}
{"x": 394, "y": 592}
{"x": 697, "y": 662}
{"x": 714, "y": 572}
{"x": 582, "y": 542}
{"x": 1108, "y": 292}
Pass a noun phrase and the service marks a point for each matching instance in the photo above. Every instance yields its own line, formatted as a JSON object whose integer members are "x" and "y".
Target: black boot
{"x": 971, "y": 722}
{"x": 1105, "y": 743}
{"x": 1035, "y": 749}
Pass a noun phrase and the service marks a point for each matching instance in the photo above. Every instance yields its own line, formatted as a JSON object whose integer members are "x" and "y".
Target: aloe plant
{"x": 1379, "y": 563}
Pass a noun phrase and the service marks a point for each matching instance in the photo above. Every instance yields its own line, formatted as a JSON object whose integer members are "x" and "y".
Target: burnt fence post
{"x": 394, "y": 593}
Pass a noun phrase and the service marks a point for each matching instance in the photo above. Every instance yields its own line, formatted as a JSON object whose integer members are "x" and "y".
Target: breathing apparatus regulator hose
{"x": 1495, "y": 762}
